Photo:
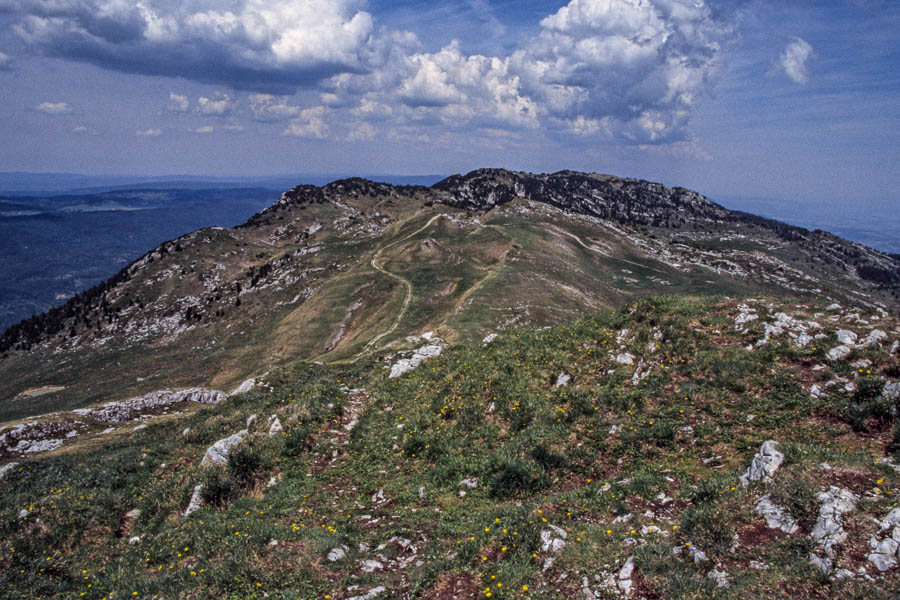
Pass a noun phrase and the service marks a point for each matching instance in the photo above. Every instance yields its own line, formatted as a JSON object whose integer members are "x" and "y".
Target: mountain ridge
{"x": 471, "y": 254}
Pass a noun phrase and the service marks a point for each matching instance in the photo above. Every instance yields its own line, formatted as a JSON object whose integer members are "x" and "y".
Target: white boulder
{"x": 217, "y": 454}
{"x": 764, "y": 464}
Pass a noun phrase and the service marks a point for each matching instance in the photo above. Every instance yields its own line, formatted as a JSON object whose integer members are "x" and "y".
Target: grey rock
{"x": 825, "y": 565}
{"x": 562, "y": 380}
{"x": 251, "y": 420}
{"x": 625, "y": 359}
{"x": 875, "y": 336}
{"x": 133, "y": 541}
{"x": 815, "y": 391}
{"x": 828, "y": 530}
{"x": 764, "y": 464}
{"x": 196, "y": 500}
{"x": 845, "y": 337}
{"x": 370, "y": 595}
{"x": 275, "y": 428}
{"x": 7, "y": 468}
{"x": 882, "y": 561}
{"x": 217, "y": 454}
{"x": 470, "y": 483}
{"x": 623, "y": 578}
{"x": 553, "y": 539}
{"x": 336, "y": 554}
{"x": 133, "y": 514}
{"x": 370, "y": 566}
{"x": 776, "y": 516}
{"x": 128, "y": 410}
{"x": 838, "y": 352}
{"x": 891, "y": 391}
{"x": 895, "y": 347}
{"x": 245, "y": 387}
{"x": 720, "y": 577}
{"x": 405, "y": 365}
{"x": 892, "y": 520}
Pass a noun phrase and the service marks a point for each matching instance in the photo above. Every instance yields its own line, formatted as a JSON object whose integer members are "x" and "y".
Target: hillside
{"x": 675, "y": 448}
{"x": 353, "y": 268}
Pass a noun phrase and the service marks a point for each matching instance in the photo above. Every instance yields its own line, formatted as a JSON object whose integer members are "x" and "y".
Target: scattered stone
{"x": 886, "y": 552}
{"x": 471, "y": 483}
{"x": 758, "y": 566}
{"x": 828, "y": 530}
{"x": 373, "y": 593}
{"x": 128, "y": 410}
{"x": 251, "y": 420}
{"x": 834, "y": 306}
{"x": 720, "y": 577}
{"x": 378, "y": 496}
{"x": 421, "y": 492}
{"x": 764, "y": 464}
{"x": 245, "y": 387}
{"x": 139, "y": 427}
{"x": 23, "y": 514}
{"x": 891, "y": 391}
{"x": 370, "y": 566}
{"x": 838, "y": 352}
{"x": 405, "y": 365}
{"x": 625, "y": 359}
{"x": 133, "y": 514}
{"x": 776, "y": 516}
{"x": 196, "y": 500}
{"x": 133, "y": 541}
{"x": 823, "y": 564}
{"x": 553, "y": 539}
{"x": 745, "y": 315}
{"x": 186, "y": 432}
{"x": 862, "y": 363}
{"x": 845, "y": 337}
{"x": 624, "y": 582}
{"x": 7, "y": 468}
{"x": 337, "y": 554}
{"x": 275, "y": 428}
{"x": 815, "y": 391}
{"x": 562, "y": 380}
{"x": 874, "y": 337}
{"x": 895, "y": 347}
{"x": 489, "y": 338}
{"x": 217, "y": 454}
{"x": 885, "y": 555}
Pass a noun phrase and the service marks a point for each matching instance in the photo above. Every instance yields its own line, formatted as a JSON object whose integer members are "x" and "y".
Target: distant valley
{"x": 54, "y": 247}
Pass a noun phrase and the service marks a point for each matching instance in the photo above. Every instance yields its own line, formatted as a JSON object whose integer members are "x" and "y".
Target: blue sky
{"x": 798, "y": 100}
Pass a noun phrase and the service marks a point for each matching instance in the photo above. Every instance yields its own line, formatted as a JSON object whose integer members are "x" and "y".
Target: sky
{"x": 797, "y": 100}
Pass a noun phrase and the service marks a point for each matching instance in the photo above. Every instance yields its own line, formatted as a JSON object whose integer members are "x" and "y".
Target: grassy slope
{"x": 543, "y": 455}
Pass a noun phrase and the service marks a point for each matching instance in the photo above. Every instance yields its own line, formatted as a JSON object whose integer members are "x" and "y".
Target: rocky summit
{"x": 506, "y": 385}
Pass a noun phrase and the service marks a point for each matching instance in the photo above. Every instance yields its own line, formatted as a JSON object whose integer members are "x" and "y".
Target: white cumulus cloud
{"x": 178, "y": 103}
{"x": 311, "y": 123}
{"x": 151, "y": 132}
{"x": 203, "y": 130}
{"x": 268, "y": 108}
{"x": 54, "y": 108}
{"x": 219, "y": 105}
{"x": 5, "y": 62}
{"x": 253, "y": 44}
{"x": 793, "y": 60}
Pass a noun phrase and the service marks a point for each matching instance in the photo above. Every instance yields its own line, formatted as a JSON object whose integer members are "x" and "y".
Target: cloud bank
{"x": 629, "y": 70}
